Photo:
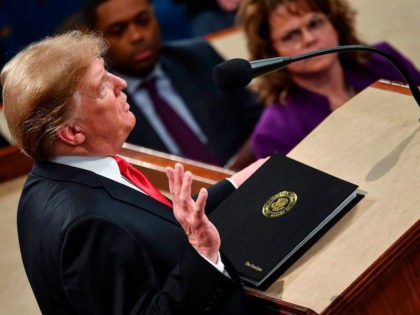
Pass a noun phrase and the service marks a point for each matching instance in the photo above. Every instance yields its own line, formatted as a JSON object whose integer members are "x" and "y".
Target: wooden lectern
{"x": 368, "y": 262}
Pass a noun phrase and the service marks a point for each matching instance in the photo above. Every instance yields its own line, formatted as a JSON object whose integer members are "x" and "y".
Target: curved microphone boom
{"x": 236, "y": 73}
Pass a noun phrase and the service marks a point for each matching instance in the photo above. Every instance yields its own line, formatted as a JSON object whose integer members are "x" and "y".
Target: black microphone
{"x": 237, "y": 73}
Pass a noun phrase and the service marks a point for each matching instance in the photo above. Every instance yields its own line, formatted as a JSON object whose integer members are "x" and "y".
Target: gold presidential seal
{"x": 279, "y": 204}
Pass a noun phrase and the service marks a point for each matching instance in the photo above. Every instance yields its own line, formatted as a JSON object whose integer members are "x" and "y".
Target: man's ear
{"x": 71, "y": 134}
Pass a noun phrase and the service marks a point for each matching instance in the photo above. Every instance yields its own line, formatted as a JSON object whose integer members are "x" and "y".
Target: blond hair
{"x": 39, "y": 84}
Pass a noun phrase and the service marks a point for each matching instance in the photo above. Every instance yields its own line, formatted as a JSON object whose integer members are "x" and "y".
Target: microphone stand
{"x": 266, "y": 65}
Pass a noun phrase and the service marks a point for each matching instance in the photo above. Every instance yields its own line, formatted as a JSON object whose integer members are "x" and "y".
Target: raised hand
{"x": 202, "y": 234}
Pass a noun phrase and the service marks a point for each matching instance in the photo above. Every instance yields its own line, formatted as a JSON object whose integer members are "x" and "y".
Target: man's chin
{"x": 142, "y": 68}
{"x": 133, "y": 121}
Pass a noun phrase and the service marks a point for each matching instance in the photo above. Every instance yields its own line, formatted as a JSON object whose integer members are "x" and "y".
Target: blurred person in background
{"x": 299, "y": 97}
{"x": 198, "y": 121}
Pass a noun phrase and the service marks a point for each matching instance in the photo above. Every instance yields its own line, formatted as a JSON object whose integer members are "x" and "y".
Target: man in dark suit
{"x": 222, "y": 120}
{"x": 92, "y": 240}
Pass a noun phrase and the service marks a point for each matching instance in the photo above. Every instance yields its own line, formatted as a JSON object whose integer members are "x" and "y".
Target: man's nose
{"x": 135, "y": 32}
{"x": 119, "y": 84}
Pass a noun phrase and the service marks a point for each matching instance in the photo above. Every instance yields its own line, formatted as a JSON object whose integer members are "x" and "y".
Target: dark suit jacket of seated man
{"x": 183, "y": 70}
{"x": 227, "y": 118}
{"x": 91, "y": 241}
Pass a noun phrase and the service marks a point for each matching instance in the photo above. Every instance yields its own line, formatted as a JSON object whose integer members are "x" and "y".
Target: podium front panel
{"x": 373, "y": 141}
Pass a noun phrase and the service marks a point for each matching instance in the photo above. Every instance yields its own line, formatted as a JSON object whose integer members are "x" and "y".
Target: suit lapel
{"x": 114, "y": 189}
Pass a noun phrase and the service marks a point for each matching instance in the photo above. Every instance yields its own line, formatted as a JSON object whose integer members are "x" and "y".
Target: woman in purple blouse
{"x": 301, "y": 96}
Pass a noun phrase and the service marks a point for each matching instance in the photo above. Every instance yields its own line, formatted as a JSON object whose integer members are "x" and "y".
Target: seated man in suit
{"x": 93, "y": 239}
{"x": 203, "y": 122}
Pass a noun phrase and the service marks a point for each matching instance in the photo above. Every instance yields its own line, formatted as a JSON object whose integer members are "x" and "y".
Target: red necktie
{"x": 141, "y": 181}
{"x": 189, "y": 143}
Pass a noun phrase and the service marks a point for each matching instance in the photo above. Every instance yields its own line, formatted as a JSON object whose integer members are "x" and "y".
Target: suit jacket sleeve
{"x": 217, "y": 193}
{"x": 105, "y": 270}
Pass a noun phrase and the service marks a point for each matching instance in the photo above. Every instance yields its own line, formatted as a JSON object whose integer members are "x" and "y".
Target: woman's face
{"x": 297, "y": 34}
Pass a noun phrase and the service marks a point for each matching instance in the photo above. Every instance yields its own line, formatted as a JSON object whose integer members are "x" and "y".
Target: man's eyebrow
{"x": 93, "y": 88}
{"x": 98, "y": 84}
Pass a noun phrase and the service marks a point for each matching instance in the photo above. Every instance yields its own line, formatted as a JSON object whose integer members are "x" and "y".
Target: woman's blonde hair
{"x": 39, "y": 84}
{"x": 253, "y": 15}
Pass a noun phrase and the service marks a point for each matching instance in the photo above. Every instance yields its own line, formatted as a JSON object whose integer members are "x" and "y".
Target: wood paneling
{"x": 153, "y": 164}
{"x": 390, "y": 286}
{"x": 13, "y": 163}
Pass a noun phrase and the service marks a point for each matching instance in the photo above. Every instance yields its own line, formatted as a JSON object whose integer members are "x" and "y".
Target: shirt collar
{"x": 102, "y": 165}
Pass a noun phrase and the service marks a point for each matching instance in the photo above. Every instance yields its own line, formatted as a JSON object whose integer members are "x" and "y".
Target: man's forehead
{"x": 98, "y": 66}
{"x": 118, "y": 11}
{"x": 94, "y": 75}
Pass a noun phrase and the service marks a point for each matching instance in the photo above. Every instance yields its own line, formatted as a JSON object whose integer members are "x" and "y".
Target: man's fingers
{"x": 170, "y": 175}
{"x": 179, "y": 174}
{"x": 201, "y": 202}
{"x": 186, "y": 187}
